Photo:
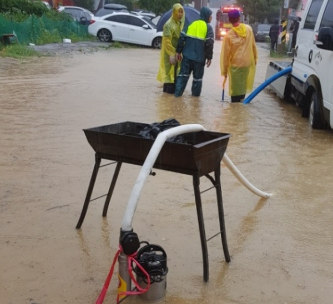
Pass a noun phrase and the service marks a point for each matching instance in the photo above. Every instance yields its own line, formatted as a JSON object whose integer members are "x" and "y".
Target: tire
{"x": 315, "y": 118}
{"x": 104, "y": 35}
{"x": 157, "y": 43}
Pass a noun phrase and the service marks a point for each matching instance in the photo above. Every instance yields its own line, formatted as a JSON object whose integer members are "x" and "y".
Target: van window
{"x": 312, "y": 15}
{"x": 328, "y": 15}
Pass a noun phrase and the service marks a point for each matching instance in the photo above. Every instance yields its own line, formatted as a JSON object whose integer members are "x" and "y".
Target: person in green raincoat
{"x": 238, "y": 58}
{"x": 169, "y": 66}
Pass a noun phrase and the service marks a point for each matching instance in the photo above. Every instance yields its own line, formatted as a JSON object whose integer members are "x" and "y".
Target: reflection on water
{"x": 280, "y": 247}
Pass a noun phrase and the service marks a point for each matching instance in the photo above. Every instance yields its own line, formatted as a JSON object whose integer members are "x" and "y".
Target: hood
{"x": 175, "y": 10}
{"x": 240, "y": 30}
{"x": 205, "y": 13}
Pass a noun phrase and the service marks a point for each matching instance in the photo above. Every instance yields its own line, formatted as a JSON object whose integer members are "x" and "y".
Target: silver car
{"x": 261, "y": 34}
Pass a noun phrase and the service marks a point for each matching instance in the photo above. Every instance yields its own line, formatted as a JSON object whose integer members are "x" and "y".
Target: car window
{"x": 135, "y": 21}
{"x": 89, "y": 12}
{"x": 86, "y": 15}
{"x": 118, "y": 18}
{"x": 70, "y": 12}
{"x": 82, "y": 14}
{"x": 327, "y": 20}
{"x": 74, "y": 12}
{"x": 311, "y": 18}
{"x": 264, "y": 27}
{"x": 149, "y": 21}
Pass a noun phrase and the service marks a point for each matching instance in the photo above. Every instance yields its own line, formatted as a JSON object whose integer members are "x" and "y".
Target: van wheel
{"x": 315, "y": 118}
{"x": 104, "y": 35}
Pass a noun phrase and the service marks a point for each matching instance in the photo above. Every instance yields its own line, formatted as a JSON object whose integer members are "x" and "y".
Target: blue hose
{"x": 266, "y": 83}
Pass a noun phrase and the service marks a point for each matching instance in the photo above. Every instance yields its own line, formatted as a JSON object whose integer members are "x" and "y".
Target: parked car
{"x": 110, "y": 8}
{"x": 79, "y": 14}
{"x": 156, "y": 19}
{"x": 46, "y": 4}
{"x": 261, "y": 33}
{"x": 126, "y": 27}
{"x": 146, "y": 13}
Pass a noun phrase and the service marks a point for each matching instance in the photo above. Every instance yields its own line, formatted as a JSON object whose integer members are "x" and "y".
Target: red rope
{"x": 130, "y": 259}
{"x": 108, "y": 280}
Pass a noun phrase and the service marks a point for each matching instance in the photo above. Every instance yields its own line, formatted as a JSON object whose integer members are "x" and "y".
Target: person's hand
{"x": 172, "y": 59}
{"x": 209, "y": 61}
{"x": 179, "y": 57}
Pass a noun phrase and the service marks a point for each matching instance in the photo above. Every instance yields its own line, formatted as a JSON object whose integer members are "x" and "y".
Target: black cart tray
{"x": 200, "y": 153}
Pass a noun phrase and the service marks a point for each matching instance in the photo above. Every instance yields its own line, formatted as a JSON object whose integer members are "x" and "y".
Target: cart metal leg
{"x": 89, "y": 192}
{"x": 113, "y": 184}
{"x": 217, "y": 174}
{"x": 196, "y": 183}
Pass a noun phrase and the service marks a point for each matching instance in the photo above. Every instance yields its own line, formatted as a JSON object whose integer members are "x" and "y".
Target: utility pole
{"x": 281, "y": 47}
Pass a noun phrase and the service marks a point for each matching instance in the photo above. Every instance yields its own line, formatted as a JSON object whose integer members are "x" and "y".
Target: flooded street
{"x": 281, "y": 247}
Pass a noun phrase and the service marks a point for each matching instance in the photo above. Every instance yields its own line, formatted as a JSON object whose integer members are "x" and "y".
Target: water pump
{"x": 153, "y": 259}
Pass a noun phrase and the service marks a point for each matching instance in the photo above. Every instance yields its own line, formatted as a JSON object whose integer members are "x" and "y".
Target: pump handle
{"x": 149, "y": 248}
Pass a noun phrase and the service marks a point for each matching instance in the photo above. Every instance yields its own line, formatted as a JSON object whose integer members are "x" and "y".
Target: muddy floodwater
{"x": 281, "y": 247}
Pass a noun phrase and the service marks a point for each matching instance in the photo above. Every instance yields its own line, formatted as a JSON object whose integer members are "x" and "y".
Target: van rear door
{"x": 323, "y": 58}
{"x": 303, "y": 64}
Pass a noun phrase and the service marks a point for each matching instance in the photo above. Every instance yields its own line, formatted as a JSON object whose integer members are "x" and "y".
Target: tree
{"x": 88, "y": 4}
{"x": 260, "y": 10}
{"x": 127, "y": 3}
{"x": 157, "y": 6}
{"x": 23, "y": 6}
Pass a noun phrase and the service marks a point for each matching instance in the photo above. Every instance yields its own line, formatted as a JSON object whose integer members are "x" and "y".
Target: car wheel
{"x": 315, "y": 118}
{"x": 157, "y": 43}
{"x": 104, "y": 35}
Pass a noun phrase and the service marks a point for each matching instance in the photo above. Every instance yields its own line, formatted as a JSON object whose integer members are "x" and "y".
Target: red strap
{"x": 130, "y": 258}
{"x": 108, "y": 280}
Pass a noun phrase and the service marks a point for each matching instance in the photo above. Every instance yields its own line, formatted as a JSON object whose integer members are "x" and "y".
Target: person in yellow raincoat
{"x": 169, "y": 68}
{"x": 239, "y": 58}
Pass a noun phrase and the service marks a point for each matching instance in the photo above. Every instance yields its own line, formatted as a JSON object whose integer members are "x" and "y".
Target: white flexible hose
{"x": 147, "y": 167}
{"x": 149, "y": 163}
{"x": 241, "y": 178}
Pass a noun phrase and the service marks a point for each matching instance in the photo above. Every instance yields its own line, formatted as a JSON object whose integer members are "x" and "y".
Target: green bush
{"x": 36, "y": 8}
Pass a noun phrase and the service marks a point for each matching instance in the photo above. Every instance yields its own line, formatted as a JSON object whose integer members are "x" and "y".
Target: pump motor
{"x": 153, "y": 260}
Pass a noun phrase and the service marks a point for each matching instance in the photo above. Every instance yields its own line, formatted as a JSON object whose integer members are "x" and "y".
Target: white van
{"x": 311, "y": 81}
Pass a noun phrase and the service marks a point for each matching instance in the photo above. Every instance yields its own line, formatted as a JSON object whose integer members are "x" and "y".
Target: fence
{"x": 34, "y": 28}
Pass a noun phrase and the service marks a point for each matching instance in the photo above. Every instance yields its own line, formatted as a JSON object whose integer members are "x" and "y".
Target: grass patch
{"x": 17, "y": 51}
{"x": 277, "y": 55}
{"x": 122, "y": 45}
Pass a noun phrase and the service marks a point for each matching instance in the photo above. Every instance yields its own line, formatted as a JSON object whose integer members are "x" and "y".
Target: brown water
{"x": 281, "y": 248}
